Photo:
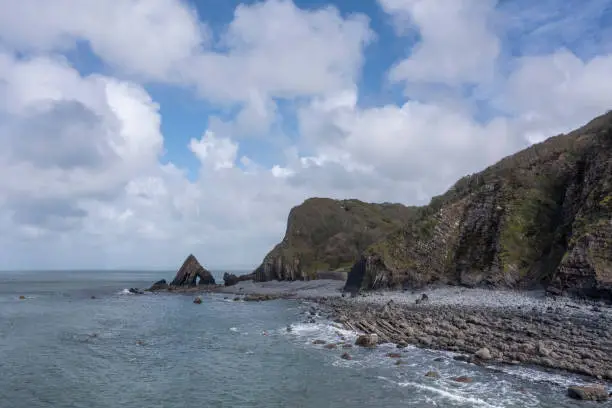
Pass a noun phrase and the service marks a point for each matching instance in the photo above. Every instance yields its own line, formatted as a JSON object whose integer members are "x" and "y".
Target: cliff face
{"x": 325, "y": 235}
{"x": 540, "y": 217}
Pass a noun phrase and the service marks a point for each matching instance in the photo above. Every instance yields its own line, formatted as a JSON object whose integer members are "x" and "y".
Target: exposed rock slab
{"x": 581, "y": 343}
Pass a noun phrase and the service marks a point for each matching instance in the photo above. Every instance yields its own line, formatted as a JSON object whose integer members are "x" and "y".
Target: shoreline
{"x": 517, "y": 328}
{"x": 550, "y": 340}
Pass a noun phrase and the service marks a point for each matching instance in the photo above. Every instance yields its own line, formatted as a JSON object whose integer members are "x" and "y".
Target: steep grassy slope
{"x": 324, "y": 234}
{"x": 541, "y": 216}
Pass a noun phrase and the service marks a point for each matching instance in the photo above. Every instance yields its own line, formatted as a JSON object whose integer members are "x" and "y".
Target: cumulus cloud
{"x": 86, "y": 183}
{"x": 457, "y": 43}
{"x": 551, "y": 93}
{"x": 145, "y": 37}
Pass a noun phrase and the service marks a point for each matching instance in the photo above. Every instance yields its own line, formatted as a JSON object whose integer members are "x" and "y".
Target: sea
{"x": 81, "y": 339}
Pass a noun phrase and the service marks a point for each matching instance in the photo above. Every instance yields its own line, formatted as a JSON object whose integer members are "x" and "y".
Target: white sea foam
{"x": 534, "y": 375}
{"x": 454, "y": 395}
{"x": 320, "y": 331}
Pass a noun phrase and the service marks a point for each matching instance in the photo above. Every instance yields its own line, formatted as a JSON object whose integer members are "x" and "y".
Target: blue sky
{"x": 139, "y": 131}
{"x": 538, "y": 27}
{"x": 186, "y": 116}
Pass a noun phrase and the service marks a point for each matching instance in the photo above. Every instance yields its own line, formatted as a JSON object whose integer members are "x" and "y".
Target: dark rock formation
{"x": 432, "y": 374}
{"x": 346, "y": 356}
{"x": 329, "y": 235}
{"x": 539, "y": 217}
{"x": 190, "y": 272}
{"x": 230, "y": 279}
{"x": 259, "y": 298}
{"x": 332, "y": 275}
{"x": 595, "y": 392}
{"x": 367, "y": 340}
{"x": 159, "y": 285}
{"x": 577, "y": 341}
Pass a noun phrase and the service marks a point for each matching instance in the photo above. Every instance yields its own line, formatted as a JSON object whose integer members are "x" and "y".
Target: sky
{"x": 135, "y": 132}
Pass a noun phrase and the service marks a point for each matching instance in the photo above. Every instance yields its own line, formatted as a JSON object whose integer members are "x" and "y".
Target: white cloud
{"x": 85, "y": 185}
{"x": 218, "y": 152}
{"x": 457, "y": 44}
{"x": 67, "y": 134}
{"x": 552, "y": 93}
{"x": 144, "y": 37}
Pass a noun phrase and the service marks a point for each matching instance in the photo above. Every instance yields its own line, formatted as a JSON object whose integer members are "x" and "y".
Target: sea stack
{"x": 190, "y": 272}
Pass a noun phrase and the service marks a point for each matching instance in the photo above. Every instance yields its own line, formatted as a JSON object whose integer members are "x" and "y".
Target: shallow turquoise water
{"x": 60, "y": 348}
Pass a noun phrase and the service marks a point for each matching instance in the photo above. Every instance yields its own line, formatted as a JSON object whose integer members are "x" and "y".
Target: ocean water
{"x": 61, "y": 348}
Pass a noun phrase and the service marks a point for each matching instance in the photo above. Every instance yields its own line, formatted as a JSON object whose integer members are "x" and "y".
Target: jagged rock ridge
{"x": 540, "y": 217}
{"x": 329, "y": 235}
{"x": 192, "y": 273}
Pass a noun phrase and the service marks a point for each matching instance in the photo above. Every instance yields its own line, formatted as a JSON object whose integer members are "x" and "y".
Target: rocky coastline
{"x": 551, "y": 337}
{"x": 513, "y": 264}
{"x": 482, "y": 326}
{"x": 486, "y": 327}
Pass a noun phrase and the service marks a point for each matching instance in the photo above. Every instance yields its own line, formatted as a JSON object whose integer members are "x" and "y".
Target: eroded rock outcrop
{"x": 540, "y": 217}
{"x": 329, "y": 235}
{"x": 231, "y": 279}
{"x": 594, "y": 392}
{"x": 192, "y": 273}
{"x": 159, "y": 285}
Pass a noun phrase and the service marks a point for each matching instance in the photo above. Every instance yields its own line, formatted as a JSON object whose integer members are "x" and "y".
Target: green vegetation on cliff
{"x": 540, "y": 216}
{"x": 324, "y": 234}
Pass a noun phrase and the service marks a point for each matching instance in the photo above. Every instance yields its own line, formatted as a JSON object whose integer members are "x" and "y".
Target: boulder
{"x": 136, "y": 291}
{"x": 197, "y": 300}
{"x": 230, "y": 279}
{"x": 394, "y": 355}
{"x": 159, "y": 285}
{"x": 432, "y": 374}
{"x": 593, "y": 392}
{"x": 258, "y": 298}
{"x": 367, "y": 340}
{"x": 346, "y": 356}
{"x": 483, "y": 354}
{"x": 463, "y": 379}
{"x": 192, "y": 273}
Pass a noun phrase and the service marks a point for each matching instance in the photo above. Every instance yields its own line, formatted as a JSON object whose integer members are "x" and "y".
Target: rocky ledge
{"x": 579, "y": 343}
{"x": 231, "y": 279}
